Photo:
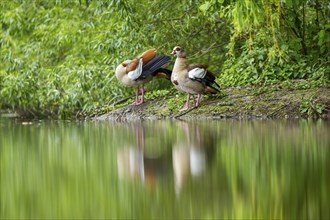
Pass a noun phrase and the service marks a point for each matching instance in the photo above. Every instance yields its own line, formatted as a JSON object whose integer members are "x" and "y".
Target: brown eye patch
{"x": 178, "y": 49}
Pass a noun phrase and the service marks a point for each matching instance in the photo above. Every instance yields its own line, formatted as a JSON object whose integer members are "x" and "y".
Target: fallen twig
{"x": 122, "y": 100}
{"x": 277, "y": 110}
{"x": 184, "y": 113}
{"x": 239, "y": 96}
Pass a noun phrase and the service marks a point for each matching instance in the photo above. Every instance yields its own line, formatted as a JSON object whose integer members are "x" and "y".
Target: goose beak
{"x": 173, "y": 53}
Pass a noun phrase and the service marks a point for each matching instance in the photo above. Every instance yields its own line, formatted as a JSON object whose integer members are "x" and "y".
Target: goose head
{"x": 178, "y": 52}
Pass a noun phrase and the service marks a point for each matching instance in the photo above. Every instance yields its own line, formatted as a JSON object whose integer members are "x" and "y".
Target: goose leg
{"x": 142, "y": 96}
{"x": 199, "y": 96}
{"x": 136, "y": 96}
{"x": 186, "y": 105}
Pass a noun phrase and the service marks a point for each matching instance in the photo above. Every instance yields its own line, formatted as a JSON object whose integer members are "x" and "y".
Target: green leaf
{"x": 204, "y": 7}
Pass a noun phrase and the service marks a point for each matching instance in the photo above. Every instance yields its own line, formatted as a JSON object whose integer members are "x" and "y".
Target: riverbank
{"x": 271, "y": 102}
{"x": 291, "y": 100}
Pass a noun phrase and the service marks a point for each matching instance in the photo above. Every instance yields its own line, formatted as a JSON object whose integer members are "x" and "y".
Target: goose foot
{"x": 186, "y": 105}
{"x": 184, "y": 108}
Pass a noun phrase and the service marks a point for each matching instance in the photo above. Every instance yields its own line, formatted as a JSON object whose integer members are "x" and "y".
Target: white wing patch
{"x": 197, "y": 73}
{"x": 134, "y": 74}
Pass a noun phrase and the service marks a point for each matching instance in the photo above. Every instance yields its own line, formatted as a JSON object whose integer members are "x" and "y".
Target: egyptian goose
{"x": 139, "y": 71}
{"x": 192, "y": 79}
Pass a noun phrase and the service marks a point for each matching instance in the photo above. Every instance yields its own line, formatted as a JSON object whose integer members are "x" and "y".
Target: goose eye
{"x": 177, "y": 49}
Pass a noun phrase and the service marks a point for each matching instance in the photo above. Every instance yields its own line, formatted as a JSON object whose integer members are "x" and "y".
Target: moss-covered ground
{"x": 285, "y": 100}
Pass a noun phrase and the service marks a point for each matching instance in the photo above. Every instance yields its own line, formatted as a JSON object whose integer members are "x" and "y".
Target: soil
{"x": 233, "y": 103}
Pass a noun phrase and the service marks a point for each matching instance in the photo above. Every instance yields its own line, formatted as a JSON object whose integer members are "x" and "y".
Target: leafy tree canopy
{"x": 58, "y": 57}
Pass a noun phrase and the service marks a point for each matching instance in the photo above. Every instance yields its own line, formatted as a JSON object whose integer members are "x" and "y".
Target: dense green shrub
{"x": 274, "y": 40}
{"x": 259, "y": 63}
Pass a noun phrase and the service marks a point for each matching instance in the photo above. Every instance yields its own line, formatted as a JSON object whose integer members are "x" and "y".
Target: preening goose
{"x": 192, "y": 79}
{"x": 139, "y": 71}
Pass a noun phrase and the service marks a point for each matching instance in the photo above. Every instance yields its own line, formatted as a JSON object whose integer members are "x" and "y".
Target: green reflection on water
{"x": 204, "y": 169}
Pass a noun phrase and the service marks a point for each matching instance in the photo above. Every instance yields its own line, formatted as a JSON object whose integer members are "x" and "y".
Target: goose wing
{"x": 151, "y": 67}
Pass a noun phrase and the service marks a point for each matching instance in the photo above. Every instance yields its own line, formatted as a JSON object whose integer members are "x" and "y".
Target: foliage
{"x": 274, "y": 40}
{"x": 310, "y": 107}
{"x": 58, "y": 57}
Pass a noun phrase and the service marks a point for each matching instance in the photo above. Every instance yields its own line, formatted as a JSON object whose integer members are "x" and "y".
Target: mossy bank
{"x": 277, "y": 102}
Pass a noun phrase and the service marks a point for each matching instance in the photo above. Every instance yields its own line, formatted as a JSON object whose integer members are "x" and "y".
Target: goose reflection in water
{"x": 190, "y": 153}
{"x": 136, "y": 164}
{"x": 130, "y": 158}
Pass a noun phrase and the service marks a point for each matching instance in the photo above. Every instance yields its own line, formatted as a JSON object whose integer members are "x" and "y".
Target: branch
{"x": 184, "y": 113}
{"x": 277, "y": 110}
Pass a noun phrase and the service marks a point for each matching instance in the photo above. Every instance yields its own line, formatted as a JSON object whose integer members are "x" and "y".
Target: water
{"x": 167, "y": 170}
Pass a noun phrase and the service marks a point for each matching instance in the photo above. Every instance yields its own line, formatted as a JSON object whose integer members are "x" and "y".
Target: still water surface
{"x": 165, "y": 169}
